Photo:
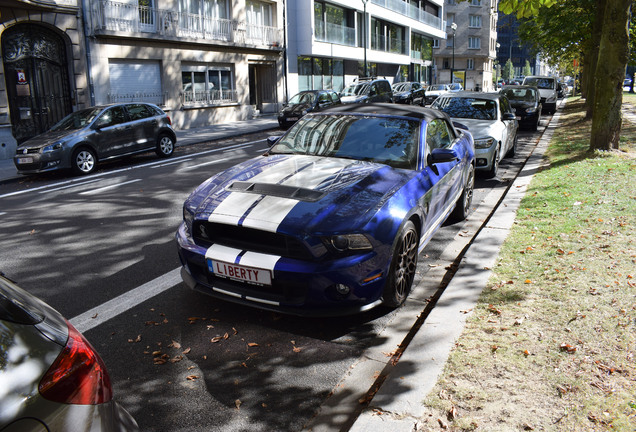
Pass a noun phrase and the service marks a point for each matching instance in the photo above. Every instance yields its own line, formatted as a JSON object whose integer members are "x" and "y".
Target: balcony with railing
{"x": 411, "y": 11}
{"x": 334, "y": 33}
{"x": 157, "y": 98}
{"x": 208, "y": 97}
{"x": 111, "y": 17}
{"x": 388, "y": 44}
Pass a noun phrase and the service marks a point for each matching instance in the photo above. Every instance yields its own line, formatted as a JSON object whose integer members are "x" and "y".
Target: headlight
{"x": 530, "y": 110}
{"x": 188, "y": 217}
{"x": 484, "y": 143}
{"x": 349, "y": 242}
{"x": 52, "y": 147}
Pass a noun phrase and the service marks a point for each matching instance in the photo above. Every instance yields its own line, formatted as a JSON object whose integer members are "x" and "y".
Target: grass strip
{"x": 551, "y": 344}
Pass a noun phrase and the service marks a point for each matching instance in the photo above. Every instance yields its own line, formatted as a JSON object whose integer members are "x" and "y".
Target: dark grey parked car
{"x": 305, "y": 102}
{"x": 83, "y": 138}
{"x": 51, "y": 379}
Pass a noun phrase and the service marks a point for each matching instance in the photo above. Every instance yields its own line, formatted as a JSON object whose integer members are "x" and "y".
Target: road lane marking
{"x": 149, "y": 164}
{"x": 105, "y": 188}
{"x": 68, "y": 186}
{"x": 171, "y": 163}
{"x": 189, "y": 167}
{"x": 112, "y": 308}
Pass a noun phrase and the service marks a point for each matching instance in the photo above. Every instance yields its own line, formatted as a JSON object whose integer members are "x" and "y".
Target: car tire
{"x": 465, "y": 200}
{"x": 494, "y": 167}
{"x": 165, "y": 146}
{"x": 535, "y": 125}
{"x": 83, "y": 161}
{"x": 513, "y": 149}
{"x": 403, "y": 266}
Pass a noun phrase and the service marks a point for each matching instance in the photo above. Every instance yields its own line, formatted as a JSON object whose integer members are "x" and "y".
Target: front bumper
{"x": 299, "y": 287}
{"x": 32, "y": 163}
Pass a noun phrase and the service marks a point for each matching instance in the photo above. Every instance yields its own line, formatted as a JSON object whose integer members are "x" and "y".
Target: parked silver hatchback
{"x": 84, "y": 138}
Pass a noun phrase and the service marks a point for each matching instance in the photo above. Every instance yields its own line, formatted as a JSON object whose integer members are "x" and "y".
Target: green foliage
{"x": 508, "y": 71}
{"x": 527, "y": 70}
{"x": 524, "y": 8}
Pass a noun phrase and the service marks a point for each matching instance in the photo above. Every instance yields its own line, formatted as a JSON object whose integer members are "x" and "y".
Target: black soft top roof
{"x": 414, "y": 111}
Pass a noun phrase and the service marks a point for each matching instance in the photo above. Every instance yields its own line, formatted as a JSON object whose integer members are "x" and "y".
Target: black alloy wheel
{"x": 403, "y": 266}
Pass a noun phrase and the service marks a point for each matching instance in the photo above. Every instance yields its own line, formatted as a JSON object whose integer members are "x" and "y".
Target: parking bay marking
{"x": 102, "y": 313}
{"x": 104, "y": 188}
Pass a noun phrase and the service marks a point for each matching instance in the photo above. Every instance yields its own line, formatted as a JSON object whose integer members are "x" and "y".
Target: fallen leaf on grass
{"x": 567, "y": 347}
{"x": 494, "y": 310}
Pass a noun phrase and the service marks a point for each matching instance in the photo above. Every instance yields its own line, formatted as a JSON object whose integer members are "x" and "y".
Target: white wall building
{"x": 328, "y": 41}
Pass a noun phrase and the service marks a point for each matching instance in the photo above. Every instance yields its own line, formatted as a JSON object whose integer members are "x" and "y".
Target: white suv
{"x": 547, "y": 86}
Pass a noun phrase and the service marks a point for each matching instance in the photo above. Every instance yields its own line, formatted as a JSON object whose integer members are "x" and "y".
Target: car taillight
{"x": 78, "y": 375}
{"x": 168, "y": 120}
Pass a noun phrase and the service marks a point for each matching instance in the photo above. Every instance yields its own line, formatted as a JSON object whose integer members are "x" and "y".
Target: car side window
{"x": 138, "y": 112}
{"x": 334, "y": 97}
{"x": 324, "y": 98}
{"x": 504, "y": 105}
{"x": 437, "y": 134}
{"x": 112, "y": 116}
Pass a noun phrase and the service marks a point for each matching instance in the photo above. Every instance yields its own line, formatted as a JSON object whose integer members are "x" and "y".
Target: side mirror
{"x": 271, "y": 140}
{"x": 442, "y": 155}
{"x": 508, "y": 116}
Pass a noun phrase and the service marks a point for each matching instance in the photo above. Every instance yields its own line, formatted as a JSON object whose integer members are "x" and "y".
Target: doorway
{"x": 263, "y": 84}
{"x": 36, "y": 79}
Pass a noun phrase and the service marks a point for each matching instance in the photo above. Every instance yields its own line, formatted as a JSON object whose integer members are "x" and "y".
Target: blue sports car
{"x": 332, "y": 218}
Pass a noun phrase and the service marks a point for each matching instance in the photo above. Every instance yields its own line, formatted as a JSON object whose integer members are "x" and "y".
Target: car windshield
{"x": 437, "y": 87}
{"x": 526, "y": 95}
{"x": 382, "y": 139}
{"x": 355, "y": 89}
{"x": 542, "y": 83}
{"x": 467, "y": 107}
{"x": 303, "y": 99}
{"x": 455, "y": 87}
{"x": 402, "y": 87}
{"x": 77, "y": 120}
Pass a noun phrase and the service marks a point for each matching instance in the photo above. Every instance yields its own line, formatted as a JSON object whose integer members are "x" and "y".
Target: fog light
{"x": 52, "y": 163}
{"x": 342, "y": 289}
{"x": 482, "y": 162}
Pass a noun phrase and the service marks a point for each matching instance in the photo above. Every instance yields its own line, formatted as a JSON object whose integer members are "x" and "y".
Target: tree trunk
{"x": 610, "y": 72}
{"x": 592, "y": 57}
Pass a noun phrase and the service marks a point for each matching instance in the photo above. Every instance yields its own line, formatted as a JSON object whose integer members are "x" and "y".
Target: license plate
{"x": 25, "y": 160}
{"x": 252, "y": 275}
{"x": 292, "y": 118}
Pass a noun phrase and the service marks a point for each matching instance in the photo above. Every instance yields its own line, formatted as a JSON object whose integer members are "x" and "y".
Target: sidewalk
{"x": 184, "y": 137}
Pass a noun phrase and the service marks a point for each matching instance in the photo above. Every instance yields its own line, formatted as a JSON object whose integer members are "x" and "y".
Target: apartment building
{"x": 332, "y": 42}
{"x": 43, "y": 72}
{"x": 203, "y": 61}
{"x": 469, "y": 52}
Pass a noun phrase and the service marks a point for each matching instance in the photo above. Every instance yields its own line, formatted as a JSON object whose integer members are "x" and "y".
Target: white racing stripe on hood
{"x": 269, "y": 211}
{"x": 249, "y": 259}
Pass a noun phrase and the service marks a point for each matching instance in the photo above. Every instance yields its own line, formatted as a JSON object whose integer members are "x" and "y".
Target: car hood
{"x": 352, "y": 99}
{"x": 296, "y": 109}
{"x": 482, "y": 128}
{"x": 298, "y": 194}
{"x": 47, "y": 138}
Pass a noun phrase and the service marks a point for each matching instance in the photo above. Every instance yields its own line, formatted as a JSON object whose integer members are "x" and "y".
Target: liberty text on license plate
{"x": 241, "y": 273}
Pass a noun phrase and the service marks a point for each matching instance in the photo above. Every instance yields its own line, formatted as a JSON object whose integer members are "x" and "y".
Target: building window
{"x": 435, "y": 43}
{"x": 207, "y": 85}
{"x": 474, "y": 43}
{"x": 388, "y": 37}
{"x": 315, "y": 73}
{"x": 474, "y": 21}
{"x": 470, "y": 64}
{"x": 475, "y": 2}
{"x": 446, "y": 63}
{"x": 334, "y": 24}
{"x": 450, "y": 42}
{"x": 450, "y": 19}
{"x": 421, "y": 47}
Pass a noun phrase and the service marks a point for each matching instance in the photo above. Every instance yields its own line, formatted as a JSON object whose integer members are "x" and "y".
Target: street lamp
{"x": 454, "y": 28}
{"x": 364, "y": 37}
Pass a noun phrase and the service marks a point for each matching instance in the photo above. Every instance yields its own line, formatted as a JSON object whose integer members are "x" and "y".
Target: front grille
{"x": 29, "y": 151}
{"x": 206, "y": 233}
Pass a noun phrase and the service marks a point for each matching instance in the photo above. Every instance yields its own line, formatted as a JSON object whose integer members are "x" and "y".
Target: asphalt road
{"x": 101, "y": 250}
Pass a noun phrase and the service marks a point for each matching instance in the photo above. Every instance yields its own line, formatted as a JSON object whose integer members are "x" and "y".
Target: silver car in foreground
{"x": 83, "y": 138}
{"x": 490, "y": 119}
{"x": 51, "y": 379}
